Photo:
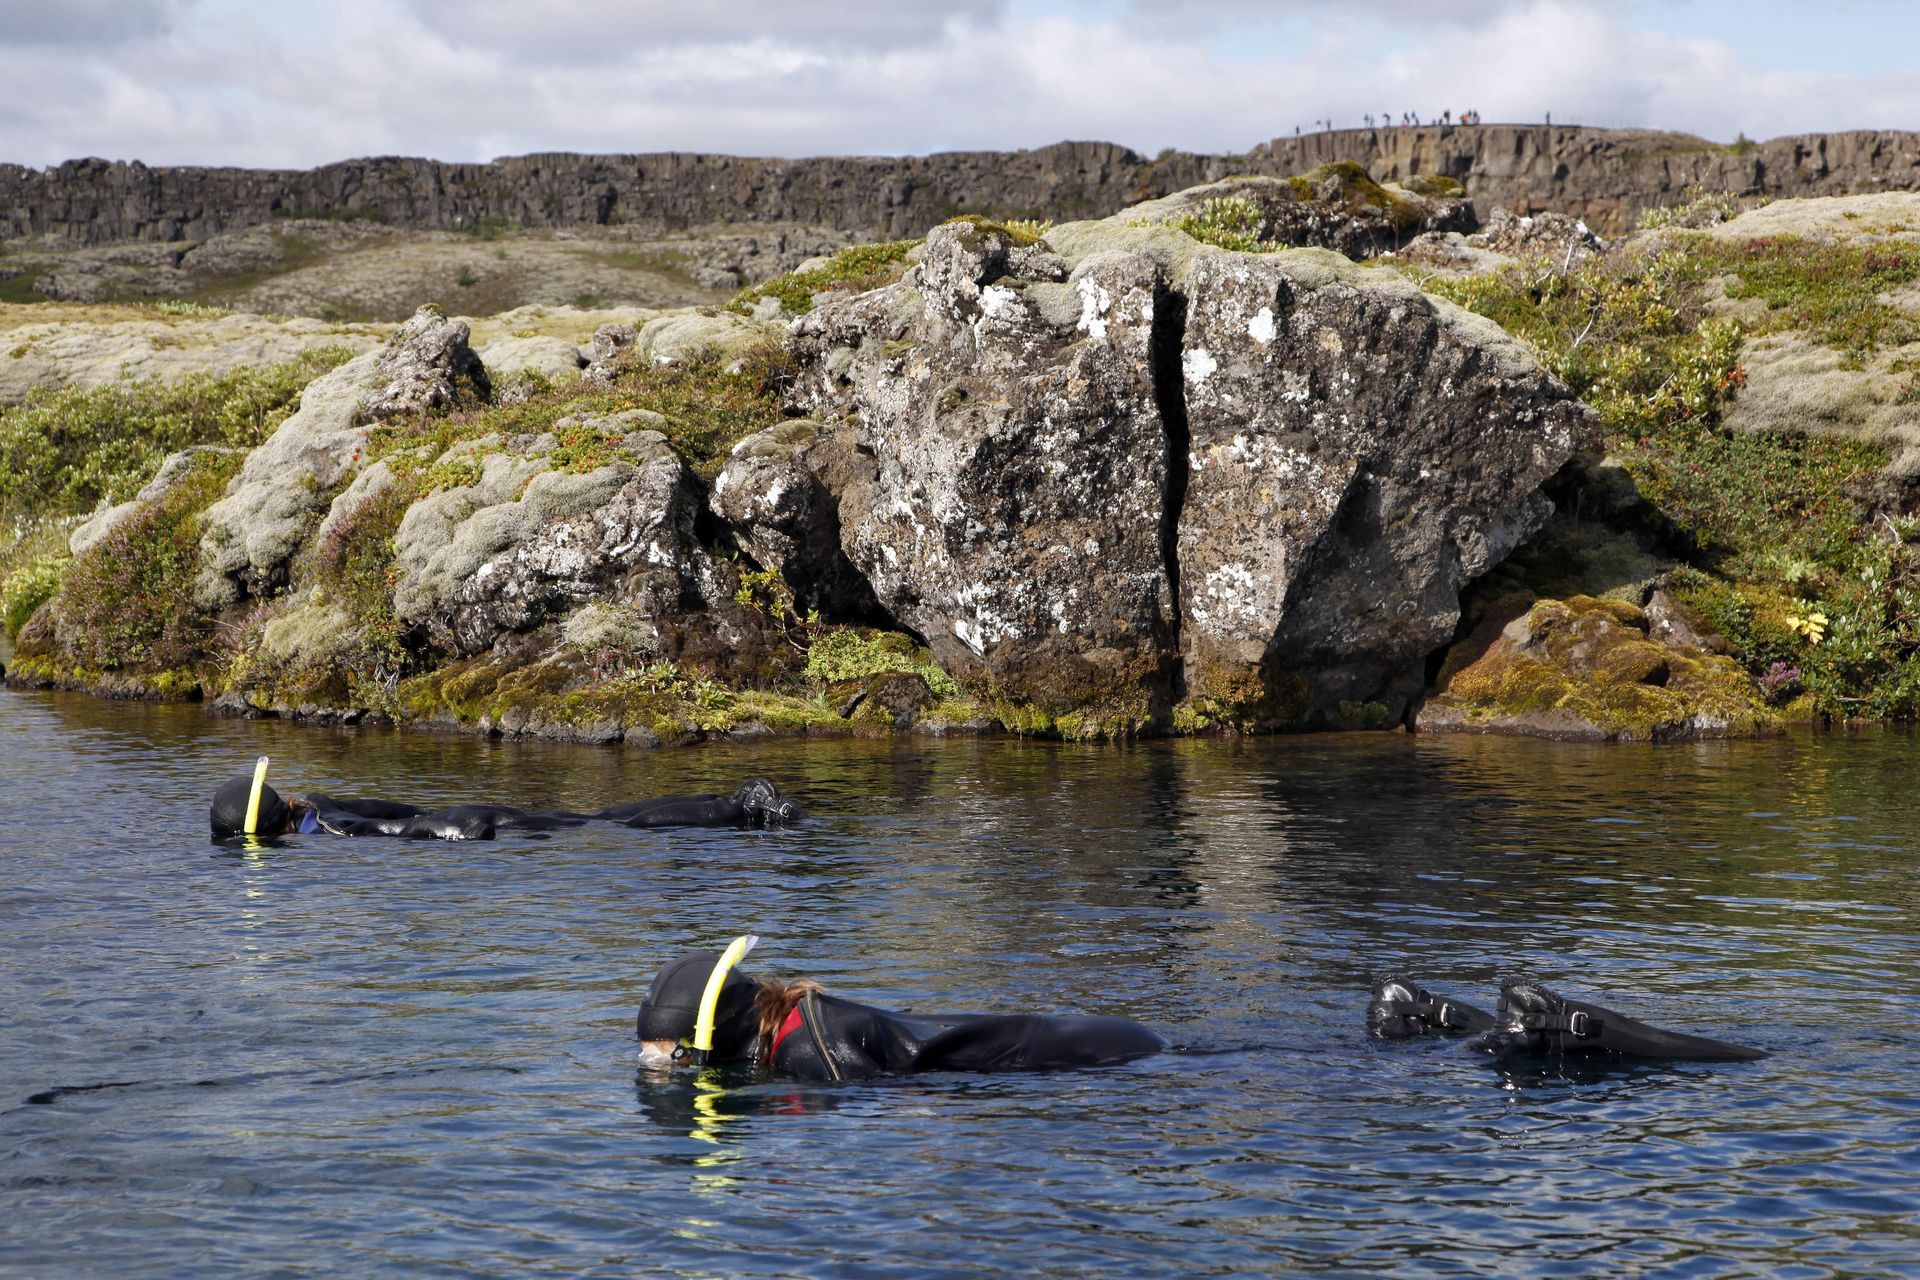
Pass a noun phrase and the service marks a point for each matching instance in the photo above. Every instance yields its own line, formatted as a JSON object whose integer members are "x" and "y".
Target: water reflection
{"x": 418, "y": 1056}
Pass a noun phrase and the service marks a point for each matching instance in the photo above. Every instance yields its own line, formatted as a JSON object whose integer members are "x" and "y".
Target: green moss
{"x": 1830, "y": 292}
{"x": 1586, "y": 667}
{"x": 835, "y": 654}
{"x": 1019, "y": 231}
{"x": 1434, "y": 184}
{"x": 1232, "y": 701}
{"x": 1361, "y": 715}
{"x": 19, "y": 291}
{"x": 63, "y": 451}
{"x": 852, "y": 270}
{"x": 708, "y": 409}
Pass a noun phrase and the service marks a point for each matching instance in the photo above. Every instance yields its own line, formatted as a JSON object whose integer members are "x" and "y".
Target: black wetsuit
{"x": 827, "y": 1038}
{"x": 754, "y": 803}
{"x": 410, "y": 822}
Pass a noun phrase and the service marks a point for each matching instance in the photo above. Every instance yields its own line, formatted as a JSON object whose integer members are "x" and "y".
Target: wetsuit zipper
{"x": 809, "y": 1014}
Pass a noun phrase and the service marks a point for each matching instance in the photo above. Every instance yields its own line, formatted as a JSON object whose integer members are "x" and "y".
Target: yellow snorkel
{"x": 695, "y": 1054}
{"x": 253, "y": 798}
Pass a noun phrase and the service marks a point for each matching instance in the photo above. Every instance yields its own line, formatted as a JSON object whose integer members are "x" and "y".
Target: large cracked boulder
{"x": 1011, "y": 466}
{"x": 1357, "y": 452}
{"x": 529, "y": 541}
{"x": 251, "y": 534}
{"x": 1117, "y": 471}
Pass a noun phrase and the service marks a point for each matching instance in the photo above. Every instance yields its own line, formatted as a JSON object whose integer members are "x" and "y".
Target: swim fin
{"x": 1402, "y": 1009}
{"x": 1534, "y": 1022}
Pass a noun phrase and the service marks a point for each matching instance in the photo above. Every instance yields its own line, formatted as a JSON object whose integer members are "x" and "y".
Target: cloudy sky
{"x": 302, "y": 82}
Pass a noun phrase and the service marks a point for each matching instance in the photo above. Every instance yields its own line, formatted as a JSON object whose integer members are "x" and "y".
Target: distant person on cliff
{"x": 700, "y": 1010}
{"x": 247, "y": 806}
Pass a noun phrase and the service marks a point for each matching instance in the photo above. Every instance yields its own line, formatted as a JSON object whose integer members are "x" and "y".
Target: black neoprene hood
{"x": 229, "y": 814}
{"x": 673, "y": 1005}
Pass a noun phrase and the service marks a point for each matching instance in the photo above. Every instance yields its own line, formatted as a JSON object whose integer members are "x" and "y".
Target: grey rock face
{"x": 426, "y": 366}
{"x": 1553, "y": 236}
{"x": 1017, "y": 464}
{"x": 777, "y": 492}
{"x": 252, "y": 533}
{"x": 1604, "y": 175}
{"x": 1358, "y": 452}
{"x": 609, "y": 342}
{"x": 528, "y": 542}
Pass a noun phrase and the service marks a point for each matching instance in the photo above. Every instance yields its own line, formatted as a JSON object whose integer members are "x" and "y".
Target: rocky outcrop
{"x": 1019, "y": 466}
{"x": 425, "y": 367}
{"x": 1587, "y": 669}
{"x": 528, "y": 540}
{"x": 1603, "y": 176}
{"x": 1336, "y": 207}
{"x": 1358, "y": 453}
{"x": 287, "y": 484}
{"x": 1115, "y": 470}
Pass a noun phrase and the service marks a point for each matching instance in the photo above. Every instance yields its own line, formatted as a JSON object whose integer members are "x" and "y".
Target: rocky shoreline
{"x": 1184, "y": 469}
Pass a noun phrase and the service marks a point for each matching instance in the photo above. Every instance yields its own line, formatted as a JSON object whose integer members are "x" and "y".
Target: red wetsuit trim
{"x": 787, "y": 1028}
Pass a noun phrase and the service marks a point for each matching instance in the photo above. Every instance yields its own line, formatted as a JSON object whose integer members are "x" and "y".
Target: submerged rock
{"x": 1588, "y": 669}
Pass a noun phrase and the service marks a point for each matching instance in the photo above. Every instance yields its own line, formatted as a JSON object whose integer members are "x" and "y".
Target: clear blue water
{"x": 376, "y": 1058}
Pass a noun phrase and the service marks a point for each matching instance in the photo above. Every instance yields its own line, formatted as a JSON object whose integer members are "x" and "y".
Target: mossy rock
{"x": 1585, "y": 668}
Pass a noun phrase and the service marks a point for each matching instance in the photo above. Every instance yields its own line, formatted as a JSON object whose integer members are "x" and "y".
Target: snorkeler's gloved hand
{"x": 1401, "y": 1009}
{"x": 1535, "y": 1022}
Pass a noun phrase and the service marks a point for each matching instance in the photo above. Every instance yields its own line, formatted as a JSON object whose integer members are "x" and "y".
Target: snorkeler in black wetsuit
{"x": 1533, "y": 1022}
{"x": 247, "y": 806}
{"x": 796, "y": 1030}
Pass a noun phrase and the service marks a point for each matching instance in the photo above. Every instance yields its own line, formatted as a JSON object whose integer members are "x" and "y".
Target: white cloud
{"x": 468, "y": 82}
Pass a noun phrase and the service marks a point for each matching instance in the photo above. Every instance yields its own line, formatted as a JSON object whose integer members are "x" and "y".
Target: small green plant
{"x": 466, "y": 279}
{"x": 29, "y": 587}
{"x": 491, "y": 227}
{"x": 1696, "y": 209}
{"x": 183, "y": 309}
{"x": 1225, "y": 222}
{"x": 852, "y": 270}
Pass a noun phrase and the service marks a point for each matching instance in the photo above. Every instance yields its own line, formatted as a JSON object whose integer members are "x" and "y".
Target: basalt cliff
{"x": 1604, "y": 176}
